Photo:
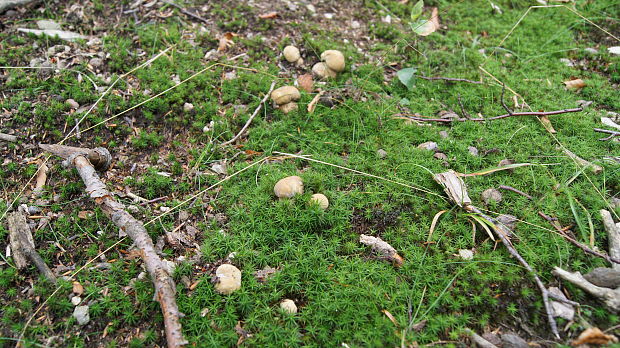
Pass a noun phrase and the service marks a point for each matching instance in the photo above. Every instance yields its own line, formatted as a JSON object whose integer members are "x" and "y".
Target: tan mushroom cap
{"x": 288, "y": 107}
{"x": 334, "y": 60}
{"x": 285, "y": 95}
{"x": 288, "y": 306}
{"x": 228, "y": 279}
{"x": 320, "y": 199}
{"x": 289, "y": 187}
{"x": 321, "y": 70}
{"x": 291, "y": 54}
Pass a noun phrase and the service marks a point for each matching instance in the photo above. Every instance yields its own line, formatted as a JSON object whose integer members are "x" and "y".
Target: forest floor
{"x": 164, "y": 122}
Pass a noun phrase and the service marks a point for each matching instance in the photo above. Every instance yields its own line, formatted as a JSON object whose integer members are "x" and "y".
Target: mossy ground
{"x": 340, "y": 287}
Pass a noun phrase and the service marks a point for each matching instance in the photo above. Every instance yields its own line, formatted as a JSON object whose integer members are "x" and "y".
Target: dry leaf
{"x": 390, "y": 316}
{"x": 78, "y": 289}
{"x": 575, "y": 84}
{"x": 305, "y": 82}
{"x": 84, "y": 214}
{"x": 435, "y": 17}
{"x": 594, "y": 335}
{"x": 226, "y": 41}
{"x": 269, "y": 15}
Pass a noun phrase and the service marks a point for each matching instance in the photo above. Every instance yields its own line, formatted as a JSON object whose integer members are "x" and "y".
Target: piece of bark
{"x": 41, "y": 178}
{"x": 604, "y": 277}
{"x": 613, "y": 237}
{"x": 7, "y": 137}
{"x": 157, "y": 269}
{"x": 454, "y": 187}
{"x": 22, "y": 245}
{"x": 479, "y": 340}
{"x": 611, "y": 297}
{"x": 382, "y": 248}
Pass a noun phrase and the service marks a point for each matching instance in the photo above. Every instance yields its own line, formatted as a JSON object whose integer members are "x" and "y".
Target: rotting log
{"x": 85, "y": 161}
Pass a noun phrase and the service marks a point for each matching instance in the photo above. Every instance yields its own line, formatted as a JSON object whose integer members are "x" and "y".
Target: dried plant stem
{"x": 420, "y": 118}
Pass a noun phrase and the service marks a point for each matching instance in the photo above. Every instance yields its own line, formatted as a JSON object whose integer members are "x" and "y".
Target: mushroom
{"x": 288, "y": 306}
{"x": 292, "y": 55}
{"x": 334, "y": 60}
{"x": 320, "y": 200}
{"x": 284, "y": 96}
{"x": 289, "y": 187}
{"x": 228, "y": 279}
{"x": 321, "y": 70}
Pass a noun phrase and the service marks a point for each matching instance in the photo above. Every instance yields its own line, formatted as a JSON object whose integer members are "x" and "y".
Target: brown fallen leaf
{"x": 435, "y": 17}
{"x": 305, "y": 82}
{"x": 78, "y": 289}
{"x": 226, "y": 41}
{"x": 84, "y": 214}
{"x": 575, "y": 83}
{"x": 390, "y": 316}
{"x": 594, "y": 335}
{"x": 268, "y": 15}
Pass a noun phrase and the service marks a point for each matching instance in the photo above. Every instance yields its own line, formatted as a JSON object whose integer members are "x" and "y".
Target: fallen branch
{"x": 457, "y": 192}
{"x": 451, "y": 79}
{"x": 613, "y": 133}
{"x": 382, "y": 248}
{"x": 512, "y": 189}
{"x": 8, "y": 138}
{"x": 611, "y": 297}
{"x": 9, "y": 4}
{"x": 247, "y": 124}
{"x": 186, "y": 12}
{"x": 22, "y": 245}
{"x": 479, "y": 340}
{"x": 586, "y": 249}
{"x": 420, "y": 118}
{"x": 162, "y": 281}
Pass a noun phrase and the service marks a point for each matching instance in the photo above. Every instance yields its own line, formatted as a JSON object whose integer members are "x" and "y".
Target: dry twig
{"x": 510, "y": 188}
{"x": 22, "y": 245}
{"x": 420, "y": 118}
{"x": 247, "y": 124}
{"x": 613, "y": 133}
{"x": 85, "y": 161}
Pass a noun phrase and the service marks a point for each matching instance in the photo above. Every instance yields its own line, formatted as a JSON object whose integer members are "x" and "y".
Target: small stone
{"x": 33, "y": 210}
{"x": 513, "y": 341}
{"x": 567, "y": 62}
{"x": 219, "y": 168}
{"x": 96, "y": 62}
{"x": 291, "y": 54}
{"x": 429, "y": 145}
{"x": 72, "y": 103}
{"x": 466, "y": 254}
{"x": 387, "y": 19}
{"x": 604, "y": 277}
{"x": 506, "y": 162}
{"x": 355, "y": 25}
{"x": 311, "y": 8}
{"x": 450, "y": 115}
{"x": 187, "y": 107}
{"x": 440, "y": 156}
{"x": 328, "y": 15}
{"x": 614, "y": 50}
{"x": 320, "y": 199}
{"x": 134, "y": 209}
{"x": 288, "y": 306}
{"x": 492, "y": 338}
{"x": 491, "y": 195}
{"x": 472, "y": 150}
{"x": 230, "y": 75}
{"x": 228, "y": 279}
{"x": 584, "y": 103}
{"x": 443, "y": 134}
{"x": 381, "y": 153}
{"x": 46, "y": 24}
{"x": 80, "y": 313}
{"x": 75, "y": 300}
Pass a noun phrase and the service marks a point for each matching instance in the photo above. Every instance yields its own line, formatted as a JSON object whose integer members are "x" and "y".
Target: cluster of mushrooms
{"x": 332, "y": 62}
{"x": 294, "y": 185}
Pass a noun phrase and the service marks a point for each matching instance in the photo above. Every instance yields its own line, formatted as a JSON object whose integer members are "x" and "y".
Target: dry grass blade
{"x": 434, "y": 223}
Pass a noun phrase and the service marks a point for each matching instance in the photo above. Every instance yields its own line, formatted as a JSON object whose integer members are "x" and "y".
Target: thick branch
{"x": 611, "y": 297}
{"x": 8, "y": 137}
{"x": 613, "y": 236}
{"x": 162, "y": 281}
{"x": 22, "y": 245}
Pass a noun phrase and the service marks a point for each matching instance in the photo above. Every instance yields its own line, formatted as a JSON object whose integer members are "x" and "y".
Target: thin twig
{"x": 502, "y": 100}
{"x": 247, "y": 124}
{"x": 586, "y": 249}
{"x": 452, "y": 79}
{"x": 416, "y": 117}
{"x": 465, "y": 114}
{"x": 510, "y": 188}
{"x": 613, "y": 133}
{"x": 184, "y": 11}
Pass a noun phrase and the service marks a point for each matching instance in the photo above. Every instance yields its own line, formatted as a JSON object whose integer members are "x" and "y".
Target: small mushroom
{"x": 291, "y": 54}
{"x": 228, "y": 279}
{"x": 284, "y": 95}
{"x": 288, "y": 306}
{"x": 320, "y": 200}
{"x": 334, "y": 60}
{"x": 322, "y": 71}
{"x": 289, "y": 187}
{"x": 288, "y": 107}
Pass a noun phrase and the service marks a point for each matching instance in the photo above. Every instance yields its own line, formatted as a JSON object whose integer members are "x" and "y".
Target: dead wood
{"x": 382, "y": 248}
{"x": 510, "y": 188}
{"x": 162, "y": 280}
{"x": 7, "y": 137}
{"x": 9, "y": 4}
{"x": 457, "y": 192}
{"x": 421, "y": 118}
{"x": 449, "y": 79}
{"x": 613, "y": 133}
{"x": 22, "y": 245}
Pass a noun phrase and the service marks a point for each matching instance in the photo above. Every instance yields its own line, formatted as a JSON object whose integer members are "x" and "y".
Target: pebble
{"x": 187, "y": 107}
{"x": 513, "y": 341}
{"x": 614, "y": 50}
{"x": 584, "y": 103}
{"x": 329, "y": 15}
{"x": 47, "y": 24}
{"x": 96, "y": 62}
{"x": 466, "y": 254}
{"x": 311, "y": 8}
{"x": 32, "y": 210}
{"x": 288, "y": 306}
{"x": 473, "y": 150}
{"x": 381, "y": 153}
{"x": 75, "y": 300}
{"x": 491, "y": 195}
{"x": 219, "y": 168}
{"x": 72, "y": 103}
{"x": 80, "y": 313}
{"x": 429, "y": 145}
{"x": 440, "y": 156}
{"x": 355, "y": 25}
{"x": 443, "y": 134}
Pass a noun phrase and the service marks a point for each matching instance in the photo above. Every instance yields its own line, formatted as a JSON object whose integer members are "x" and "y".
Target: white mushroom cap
{"x": 320, "y": 199}
{"x": 285, "y": 95}
{"x": 322, "y": 71}
{"x": 228, "y": 279}
{"x": 291, "y": 54}
{"x": 288, "y": 107}
{"x": 288, "y": 306}
{"x": 334, "y": 60}
{"x": 289, "y": 187}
